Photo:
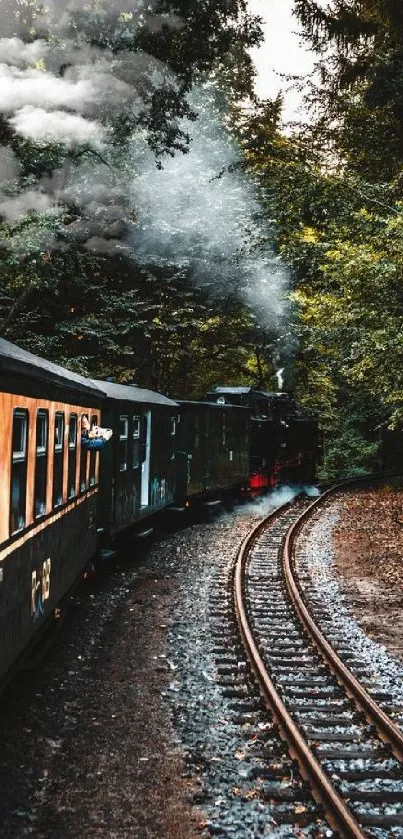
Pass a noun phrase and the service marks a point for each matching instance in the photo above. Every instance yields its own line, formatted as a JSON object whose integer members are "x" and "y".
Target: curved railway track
{"x": 348, "y": 748}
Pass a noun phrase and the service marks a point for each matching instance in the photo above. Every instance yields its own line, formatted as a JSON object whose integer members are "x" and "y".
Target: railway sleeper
{"x": 361, "y": 751}
{"x": 286, "y": 791}
{"x": 320, "y": 692}
{"x": 380, "y": 820}
{"x": 235, "y": 691}
{"x": 391, "y": 710}
{"x": 382, "y": 796}
{"x": 381, "y": 695}
{"x": 301, "y": 813}
{"x": 273, "y": 771}
{"x": 246, "y": 706}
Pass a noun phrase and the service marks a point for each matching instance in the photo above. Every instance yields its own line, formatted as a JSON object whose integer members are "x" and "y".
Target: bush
{"x": 348, "y": 454}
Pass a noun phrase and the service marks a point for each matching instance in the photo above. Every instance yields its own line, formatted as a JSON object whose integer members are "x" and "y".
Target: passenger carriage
{"x": 48, "y": 492}
{"x": 138, "y": 465}
{"x": 213, "y": 450}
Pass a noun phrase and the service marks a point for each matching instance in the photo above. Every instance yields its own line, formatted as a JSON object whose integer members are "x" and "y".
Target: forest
{"x": 159, "y": 223}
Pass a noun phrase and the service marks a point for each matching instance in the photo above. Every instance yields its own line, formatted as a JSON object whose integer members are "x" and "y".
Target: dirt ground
{"x": 87, "y": 744}
{"x": 368, "y": 542}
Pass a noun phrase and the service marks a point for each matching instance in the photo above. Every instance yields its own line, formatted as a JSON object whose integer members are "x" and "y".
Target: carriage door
{"x": 145, "y": 458}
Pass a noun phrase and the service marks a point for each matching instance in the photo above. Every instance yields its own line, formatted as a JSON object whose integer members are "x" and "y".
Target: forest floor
{"x": 368, "y": 545}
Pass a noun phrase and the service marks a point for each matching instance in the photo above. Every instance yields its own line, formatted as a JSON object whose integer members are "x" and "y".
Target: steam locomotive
{"x": 61, "y": 503}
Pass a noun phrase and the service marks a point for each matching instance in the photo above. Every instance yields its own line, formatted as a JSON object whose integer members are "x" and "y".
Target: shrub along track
{"x": 347, "y": 746}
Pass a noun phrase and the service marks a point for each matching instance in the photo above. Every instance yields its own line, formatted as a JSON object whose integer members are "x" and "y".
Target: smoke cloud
{"x": 57, "y": 127}
{"x": 33, "y": 88}
{"x": 200, "y": 213}
{"x": 12, "y": 208}
{"x": 59, "y": 88}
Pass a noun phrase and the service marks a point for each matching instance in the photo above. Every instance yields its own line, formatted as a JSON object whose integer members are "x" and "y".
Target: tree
{"x": 360, "y": 51}
{"x": 111, "y": 80}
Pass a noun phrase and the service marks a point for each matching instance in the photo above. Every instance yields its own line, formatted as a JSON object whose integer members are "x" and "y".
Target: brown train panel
{"x": 8, "y": 403}
{"x": 39, "y": 573}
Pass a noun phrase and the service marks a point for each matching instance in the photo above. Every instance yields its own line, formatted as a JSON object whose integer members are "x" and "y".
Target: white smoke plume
{"x": 200, "y": 213}
{"x": 57, "y": 127}
{"x": 15, "y": 52}
{"x": 60, "y": 72}
{"x": 61, "y": 89}
{"x": 36, "y": 88}
{"x": 13, "y": 208}
{"x": 265, "y": 504}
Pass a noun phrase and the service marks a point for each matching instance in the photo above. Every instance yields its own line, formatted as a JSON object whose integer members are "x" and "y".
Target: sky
{"x": 282, "y": 52}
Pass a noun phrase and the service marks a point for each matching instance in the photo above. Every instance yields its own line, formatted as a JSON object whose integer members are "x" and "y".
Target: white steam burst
{"x": 200, "y": 212}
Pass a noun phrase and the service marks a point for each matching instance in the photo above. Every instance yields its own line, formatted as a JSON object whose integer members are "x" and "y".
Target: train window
{"x": 72, "y": 458}
{"x": 93, "y": 457}
{"x": 58, "y": 460}
{"x": 136, "y": 443}
{"x": 19, "y": 470}
{"x": 41, "y": 463}
{"x": 123, "y": 443}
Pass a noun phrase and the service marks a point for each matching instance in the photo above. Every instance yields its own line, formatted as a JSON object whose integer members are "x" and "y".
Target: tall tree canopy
{"x": 359, "y": 97}
{"x": 85, "y": 89}
{"x": 333, "y": 190}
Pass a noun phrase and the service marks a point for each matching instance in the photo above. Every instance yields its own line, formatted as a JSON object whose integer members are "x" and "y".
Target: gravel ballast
{"x": 133, "y": 729}
{"x": 94, "y": 742}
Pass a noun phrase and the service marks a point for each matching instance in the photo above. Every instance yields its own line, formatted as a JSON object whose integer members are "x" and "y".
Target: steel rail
{"x": 338, "y": 815}
{"x": 388, "y": 731}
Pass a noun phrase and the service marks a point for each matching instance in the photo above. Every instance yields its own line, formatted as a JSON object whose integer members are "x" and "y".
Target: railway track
{"x": 348, "y": 747}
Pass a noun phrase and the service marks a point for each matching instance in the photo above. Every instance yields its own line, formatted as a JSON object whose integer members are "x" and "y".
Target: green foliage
{"x": 360, "y": 49}
{"x": 342, "y": 237}
{"x": 347, "y": 455}
{"x": 97, "y": 313}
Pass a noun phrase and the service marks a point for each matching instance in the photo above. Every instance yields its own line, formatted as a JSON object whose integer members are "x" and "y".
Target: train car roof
{"x": 241, "y": 391}
{"x": 212, "y": 405}
{"x": 227, "y": 389}
{"x": 15, "y": 360}
{"x": 132, "y": 393}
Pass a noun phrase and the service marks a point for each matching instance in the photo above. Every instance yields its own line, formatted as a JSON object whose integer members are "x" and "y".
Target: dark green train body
{"x": 213, "y": 449}
{"x": 138, "y": 464}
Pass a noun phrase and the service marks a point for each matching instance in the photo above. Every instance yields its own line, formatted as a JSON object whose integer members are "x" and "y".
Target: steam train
{"x": 62, "y": 503}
